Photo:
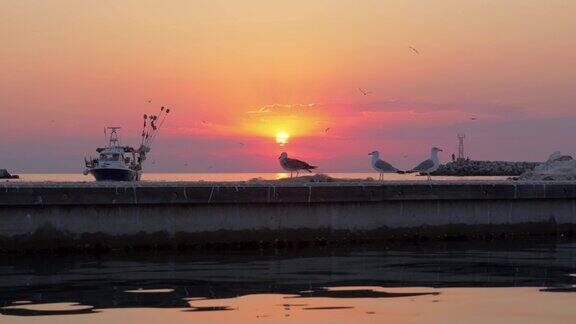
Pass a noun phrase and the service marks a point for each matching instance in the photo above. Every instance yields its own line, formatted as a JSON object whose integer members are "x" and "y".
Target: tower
{"x": 461, "y": 137}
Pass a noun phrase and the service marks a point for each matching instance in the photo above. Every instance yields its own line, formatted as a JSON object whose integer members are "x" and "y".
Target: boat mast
{"x": 114, "y": 141}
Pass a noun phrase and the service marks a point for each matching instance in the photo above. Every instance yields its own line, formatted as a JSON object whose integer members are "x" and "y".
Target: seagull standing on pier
{"x": 430, "y": 165}
{"x": 293, "y": 165}
{"x": 381, "y": 166}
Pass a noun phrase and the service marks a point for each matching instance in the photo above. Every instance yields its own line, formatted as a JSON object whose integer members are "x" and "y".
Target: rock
{"x": 309, "y": 178}
{"x": 4, "y": 174}
{"x": 484, "y": 168}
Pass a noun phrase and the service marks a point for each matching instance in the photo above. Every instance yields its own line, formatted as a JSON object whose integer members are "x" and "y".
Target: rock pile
{"x": 4, "y": 174}
{"x": 309, "y": 178}
{"x": 484, "y": 168}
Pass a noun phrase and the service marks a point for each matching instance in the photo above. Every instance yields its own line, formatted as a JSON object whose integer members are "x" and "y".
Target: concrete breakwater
{"x": 85, "y": 215}
{"x": 484, "y": 168}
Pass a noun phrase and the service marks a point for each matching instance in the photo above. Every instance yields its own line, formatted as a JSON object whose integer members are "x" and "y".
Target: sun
{"x": 282, "y": 138}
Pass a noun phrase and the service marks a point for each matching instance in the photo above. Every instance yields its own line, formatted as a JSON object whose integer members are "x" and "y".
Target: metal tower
{"x": 113, "y": 136}
{"x": 461, "y": 137}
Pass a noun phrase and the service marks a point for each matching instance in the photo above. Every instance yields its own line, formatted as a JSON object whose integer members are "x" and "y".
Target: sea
{"x": 58, "y": 177}
{"x": 514, "y": 282}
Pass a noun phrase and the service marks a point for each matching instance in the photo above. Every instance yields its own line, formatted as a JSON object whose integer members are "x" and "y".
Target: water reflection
{"x": 45, "y": 309}
{"x": 267, "y": 285}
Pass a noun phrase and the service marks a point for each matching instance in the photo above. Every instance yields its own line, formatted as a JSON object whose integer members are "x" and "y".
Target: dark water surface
{"x": 455, "y": 283}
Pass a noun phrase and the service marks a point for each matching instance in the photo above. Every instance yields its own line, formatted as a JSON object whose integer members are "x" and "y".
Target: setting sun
{"x": 282, "y": 138}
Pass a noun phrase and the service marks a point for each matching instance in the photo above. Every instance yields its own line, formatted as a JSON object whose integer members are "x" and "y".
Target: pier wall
{"x": 47, "y": 215}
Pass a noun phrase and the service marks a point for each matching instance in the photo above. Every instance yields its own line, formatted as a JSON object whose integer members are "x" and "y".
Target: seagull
{"x": 326, "y": 130}
{"x": 149, "y": 101}
{"x": 414, "y": 50}
{"x": 473, "y": 118}
{"x": 381, "y": 166}
{"x": 294, "y": 165}
{"x": 429, "y": 165}
{"x": 364, "y": 92}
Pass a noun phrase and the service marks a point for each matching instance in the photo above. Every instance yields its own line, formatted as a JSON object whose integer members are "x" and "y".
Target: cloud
{"x": 279, "y": 107}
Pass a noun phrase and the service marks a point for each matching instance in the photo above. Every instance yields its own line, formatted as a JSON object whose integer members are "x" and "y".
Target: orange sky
{"x": 235, "y": 73}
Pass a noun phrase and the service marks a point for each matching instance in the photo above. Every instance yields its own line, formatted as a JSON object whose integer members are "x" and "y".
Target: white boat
{"x": 115, "y": 162}
{"x": 123, "y": 163}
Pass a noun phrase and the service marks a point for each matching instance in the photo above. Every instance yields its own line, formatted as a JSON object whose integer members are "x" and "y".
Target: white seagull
{"x": 293, "y": 165}
{"x": 430, "y": 165}
{"x": 381, "y": 166}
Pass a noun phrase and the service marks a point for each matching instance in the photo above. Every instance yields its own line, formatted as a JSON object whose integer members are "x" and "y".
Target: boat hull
{"x": 110, "y": 174}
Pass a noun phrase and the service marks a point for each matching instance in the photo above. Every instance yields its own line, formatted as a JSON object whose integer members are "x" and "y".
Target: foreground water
{"x": 235, "y": 176}
{"x": 456, "y": 283}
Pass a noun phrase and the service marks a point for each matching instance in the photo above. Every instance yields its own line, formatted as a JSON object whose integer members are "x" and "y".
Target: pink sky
{"x": 252, "y": 68}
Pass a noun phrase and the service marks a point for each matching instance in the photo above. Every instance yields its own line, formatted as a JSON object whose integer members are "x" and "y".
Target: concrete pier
{"x": 60, "y": 215}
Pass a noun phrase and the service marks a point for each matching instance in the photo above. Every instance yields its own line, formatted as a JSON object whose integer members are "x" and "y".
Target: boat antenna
{"x": 166, "y": 112}
{"x": 114, "y": 140}
{"x": 144, "y": 129}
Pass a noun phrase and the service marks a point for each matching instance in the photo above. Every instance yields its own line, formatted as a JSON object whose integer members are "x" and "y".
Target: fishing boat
{"x": 116, "y": 162}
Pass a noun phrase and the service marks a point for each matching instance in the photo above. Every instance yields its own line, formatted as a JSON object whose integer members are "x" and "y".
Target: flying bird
{"x": 149, "y": 101}
{"x": 430, "y": 165}
{"x": 326, "y": 130}
{"x": 293, "y": 165}
{"x": 381, "y": 166}
{"x": 414, "y": 50}
{"x": 473, "y": 118}
{"x": 364, "y": 92}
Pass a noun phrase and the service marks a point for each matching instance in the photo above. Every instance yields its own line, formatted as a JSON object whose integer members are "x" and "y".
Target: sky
{"x": 235, "y": 74}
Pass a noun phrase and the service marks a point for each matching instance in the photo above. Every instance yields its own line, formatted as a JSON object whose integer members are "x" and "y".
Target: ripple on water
{"x": 150, "y": 291}
{"x": 43, "y": 309}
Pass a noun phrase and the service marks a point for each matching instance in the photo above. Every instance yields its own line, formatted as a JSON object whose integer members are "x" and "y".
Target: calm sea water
{"x": 523, "y": 283}
{"x": 233, "y": 176}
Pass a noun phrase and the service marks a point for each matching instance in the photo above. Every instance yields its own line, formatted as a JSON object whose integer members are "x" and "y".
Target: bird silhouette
{"x": 364, "y": 92}
{"x": 414, "y": 50}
